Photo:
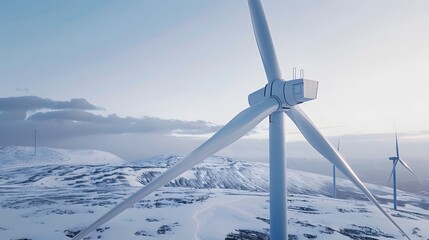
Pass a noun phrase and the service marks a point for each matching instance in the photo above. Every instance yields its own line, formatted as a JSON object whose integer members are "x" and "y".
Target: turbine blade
{"x": 409, "y": 169}
{"x": 321, "y": 144}
{"x": 393, "y": 169}
{"x": 232, "y": 131}
{"x": 264, "y": 41}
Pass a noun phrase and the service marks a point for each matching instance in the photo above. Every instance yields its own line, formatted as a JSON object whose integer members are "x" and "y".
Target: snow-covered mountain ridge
{"x": 220, "y": 198}
{"x": 20, "y": 155}
{"x": 91, "y": 168}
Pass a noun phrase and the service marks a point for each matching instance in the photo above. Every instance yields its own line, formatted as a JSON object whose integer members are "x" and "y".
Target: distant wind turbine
{"x": 273, "y": 100}
{"x": 395, "y": 160}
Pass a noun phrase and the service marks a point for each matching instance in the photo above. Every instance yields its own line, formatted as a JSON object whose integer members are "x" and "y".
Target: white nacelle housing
{"x": 288, "y": 93}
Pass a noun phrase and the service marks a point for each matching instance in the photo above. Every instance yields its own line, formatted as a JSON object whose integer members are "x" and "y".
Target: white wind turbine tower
{"x": 395, "y": 160}
{"x": 273, "y": 100}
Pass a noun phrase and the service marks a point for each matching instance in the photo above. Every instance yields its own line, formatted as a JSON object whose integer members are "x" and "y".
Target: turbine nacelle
{"x": 393, "y": 158}
{"x": 288, "y": 93}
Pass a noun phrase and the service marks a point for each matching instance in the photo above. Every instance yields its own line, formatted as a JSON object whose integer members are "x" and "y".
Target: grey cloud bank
{"x": 28, "y": 103}
{"x": 17, "y": 108}
{"x": 20, "y": 116}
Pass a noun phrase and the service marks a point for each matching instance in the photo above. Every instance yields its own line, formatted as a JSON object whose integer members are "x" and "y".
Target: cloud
{"x": 12, "y": 115}
{"x": 66, "y": 115}
{"x": 56, "y": 120}
{"x": 89, "y": 123}
{"x": 33, "y": 103}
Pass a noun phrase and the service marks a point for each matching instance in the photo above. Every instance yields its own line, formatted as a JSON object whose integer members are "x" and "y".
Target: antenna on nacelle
{"x": 301, "y": 73}
{"x": 294, "y": 73}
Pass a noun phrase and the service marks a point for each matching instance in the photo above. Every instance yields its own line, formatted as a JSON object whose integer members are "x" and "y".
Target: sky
{"x": 140, "y": 78}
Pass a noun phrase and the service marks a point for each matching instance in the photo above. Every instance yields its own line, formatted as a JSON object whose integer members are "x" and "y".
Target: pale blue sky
{"x": 198, "y": 60}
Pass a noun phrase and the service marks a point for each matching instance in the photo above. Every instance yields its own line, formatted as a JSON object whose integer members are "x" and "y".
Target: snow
{"x": 81, "y": 156}
{"x": 20, "y": 155}
{"x": 53, "y": 196}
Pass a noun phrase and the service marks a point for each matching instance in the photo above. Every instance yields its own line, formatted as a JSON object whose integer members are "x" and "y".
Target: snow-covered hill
{"x": 57, "y": 192}
{"x": 24, "y": 156}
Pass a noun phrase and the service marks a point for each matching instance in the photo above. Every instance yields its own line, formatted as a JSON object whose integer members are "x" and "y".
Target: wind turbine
{"x": 334, "y": 183}
{"x": 395, "y": 160}
{"x": 273, "y": 100}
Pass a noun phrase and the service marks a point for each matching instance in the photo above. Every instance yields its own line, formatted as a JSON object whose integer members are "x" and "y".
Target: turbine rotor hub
{"x": 288, "y": 93}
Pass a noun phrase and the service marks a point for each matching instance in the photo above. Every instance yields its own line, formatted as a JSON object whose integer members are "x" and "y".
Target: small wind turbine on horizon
{"x": 395, "y": 160}
{"x": 272, "y": 101}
